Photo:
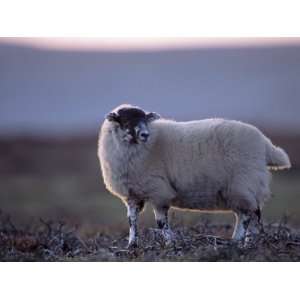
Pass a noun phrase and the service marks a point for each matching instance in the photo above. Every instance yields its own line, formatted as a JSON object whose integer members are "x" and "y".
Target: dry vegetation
{"x": 47, "y": 241}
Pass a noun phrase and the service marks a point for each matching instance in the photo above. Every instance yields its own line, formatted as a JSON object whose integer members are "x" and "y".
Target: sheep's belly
{"x": 213, "y": 201}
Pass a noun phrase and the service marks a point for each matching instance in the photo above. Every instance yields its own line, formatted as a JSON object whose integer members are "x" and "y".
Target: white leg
{"x": 132, "y": 214}
{"x": 242, "y": 223}
{"x": 247, "y": 226}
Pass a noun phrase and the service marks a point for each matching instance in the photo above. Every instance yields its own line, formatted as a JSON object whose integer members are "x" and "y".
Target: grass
{"x": 83, "y": 200}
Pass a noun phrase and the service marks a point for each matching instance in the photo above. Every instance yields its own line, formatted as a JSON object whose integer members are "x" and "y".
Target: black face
{"x": 133, "y": 122}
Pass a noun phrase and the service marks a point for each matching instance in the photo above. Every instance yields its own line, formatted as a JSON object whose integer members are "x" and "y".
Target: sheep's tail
{"x": 276, "y": 158}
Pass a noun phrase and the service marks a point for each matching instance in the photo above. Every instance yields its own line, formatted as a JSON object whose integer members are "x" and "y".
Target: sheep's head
{"x": 132, "y": 122}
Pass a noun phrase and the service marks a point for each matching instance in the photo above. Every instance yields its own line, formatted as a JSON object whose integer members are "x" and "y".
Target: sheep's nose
{"x": 144, "y": 136}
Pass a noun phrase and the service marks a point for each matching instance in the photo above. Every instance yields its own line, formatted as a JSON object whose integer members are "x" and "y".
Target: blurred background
{"x": 54, "y": 93}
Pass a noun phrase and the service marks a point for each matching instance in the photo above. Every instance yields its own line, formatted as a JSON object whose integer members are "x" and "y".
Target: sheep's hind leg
{"x": 255, "y": 227}
{"x": 248, "y": 226}
{"x": 161, "y": 217}
{"x": 241, "y": 226}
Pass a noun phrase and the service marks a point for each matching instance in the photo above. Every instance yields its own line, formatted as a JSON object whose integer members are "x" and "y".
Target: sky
{"x": 67, "y": 85}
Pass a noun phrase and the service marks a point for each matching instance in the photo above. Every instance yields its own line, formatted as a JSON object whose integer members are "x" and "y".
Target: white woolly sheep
{"x": 206, "y": 165}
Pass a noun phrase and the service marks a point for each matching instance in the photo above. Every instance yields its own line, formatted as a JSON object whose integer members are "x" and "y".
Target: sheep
{"x": 206, "y": 165}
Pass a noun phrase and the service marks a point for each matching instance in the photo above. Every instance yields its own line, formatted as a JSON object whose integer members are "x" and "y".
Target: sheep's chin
{"x": 139, "y": 141}
{"x": 128, "y": 139}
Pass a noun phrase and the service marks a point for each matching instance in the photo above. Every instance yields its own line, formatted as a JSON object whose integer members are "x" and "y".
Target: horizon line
{"x": 145, "y": 44}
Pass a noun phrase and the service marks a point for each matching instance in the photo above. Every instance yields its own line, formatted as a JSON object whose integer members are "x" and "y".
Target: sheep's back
{"x": 204, "y": 155}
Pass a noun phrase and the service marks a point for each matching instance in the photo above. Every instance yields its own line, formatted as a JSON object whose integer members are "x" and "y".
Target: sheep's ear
{"x": 152, "y": 116}
{"x": 112, "y": 117}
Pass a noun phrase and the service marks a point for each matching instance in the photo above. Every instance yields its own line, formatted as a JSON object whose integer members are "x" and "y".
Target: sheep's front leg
{"x": 161, "y": 218}
{"x": 132, "y": 214}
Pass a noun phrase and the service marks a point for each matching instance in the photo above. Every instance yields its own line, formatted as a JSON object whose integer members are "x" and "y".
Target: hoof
{"x": 251, "y": 241}
{"x": 132, "y": 245}
{"x": 169, "y": 237}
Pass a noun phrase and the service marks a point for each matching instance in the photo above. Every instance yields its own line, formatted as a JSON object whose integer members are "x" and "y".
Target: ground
{"x": 47, "y": 241}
